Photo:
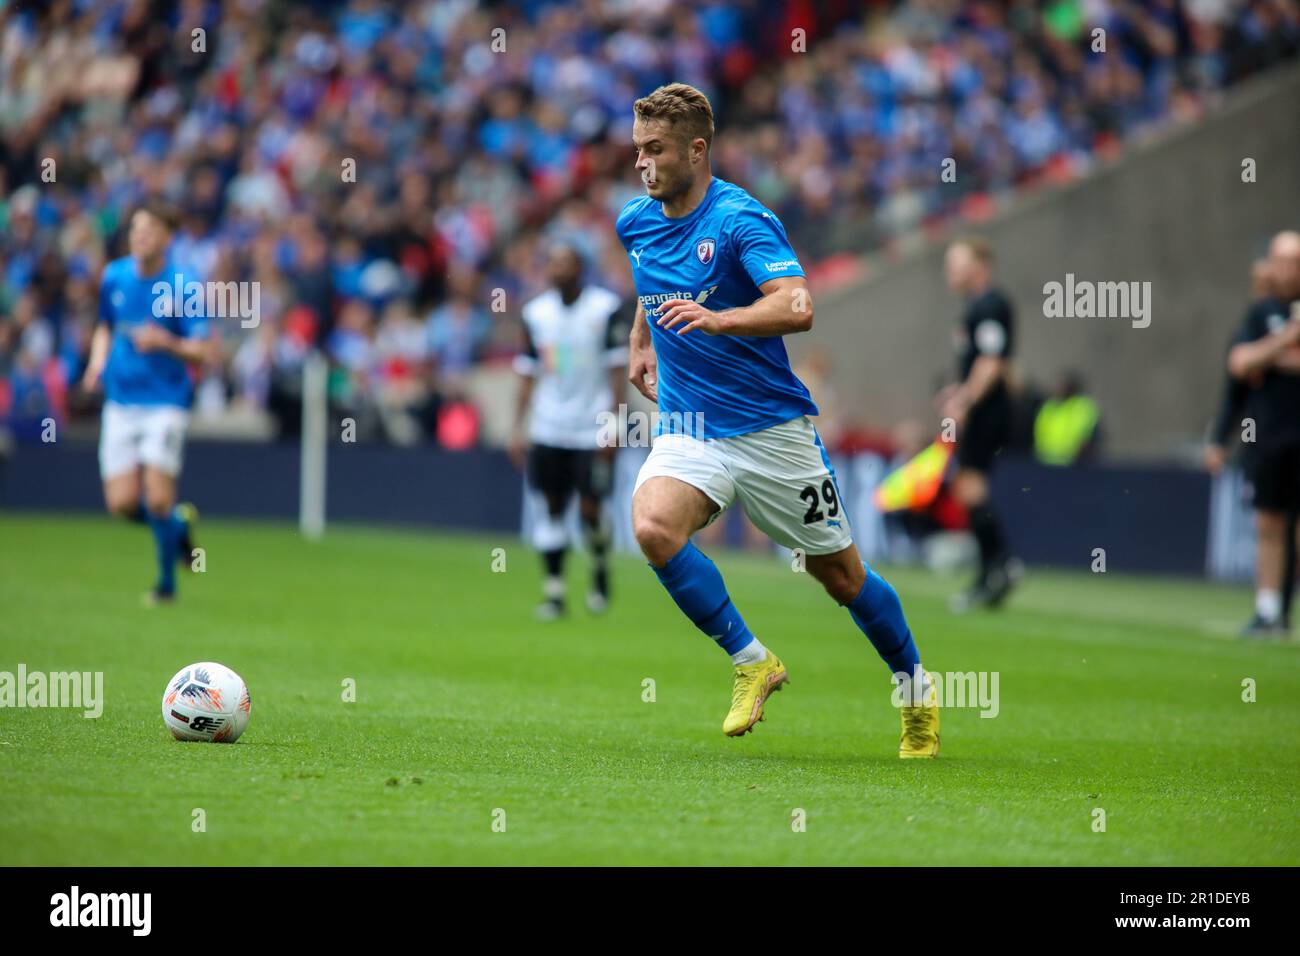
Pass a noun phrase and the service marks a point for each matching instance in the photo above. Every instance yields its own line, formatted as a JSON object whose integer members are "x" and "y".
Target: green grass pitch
{"x": 1117, "y": 693}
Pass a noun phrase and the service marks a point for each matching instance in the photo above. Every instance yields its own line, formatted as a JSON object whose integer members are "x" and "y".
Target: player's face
{"x": 147, "y": 237}
{"x": 958, "y": 266}
{"x": 663, "y": 159}
{"x": 1284, "y": 265}
{"x": 563, "y": 268}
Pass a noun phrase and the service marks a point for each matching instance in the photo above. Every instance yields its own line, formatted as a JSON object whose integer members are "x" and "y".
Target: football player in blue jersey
{"x": 718, "y": 285}
{"x": 139, "y": 354}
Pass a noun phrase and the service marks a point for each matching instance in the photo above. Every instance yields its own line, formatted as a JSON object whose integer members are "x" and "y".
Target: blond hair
{"x": 684, "y": 108}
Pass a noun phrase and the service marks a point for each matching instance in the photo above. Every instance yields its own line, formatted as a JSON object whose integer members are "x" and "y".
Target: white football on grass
{"x": 206, "y": 702}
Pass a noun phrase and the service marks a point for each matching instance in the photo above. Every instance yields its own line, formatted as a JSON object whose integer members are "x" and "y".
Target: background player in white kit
{"x": 573, "y": 369}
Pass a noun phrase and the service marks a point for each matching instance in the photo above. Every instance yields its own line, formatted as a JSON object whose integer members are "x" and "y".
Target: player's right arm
{"x": 1273, "y": 350}
{"x": 101, "y": 340}
{"x": 517, "y": 447}
{"x": 642, "y": 366}
{"x": 1233, "y": 399}
{"x": 526, "y": 365}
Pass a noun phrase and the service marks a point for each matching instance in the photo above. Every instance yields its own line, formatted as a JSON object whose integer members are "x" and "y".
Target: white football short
{"x": 781, "y": 475}
{"x": 134, "y": 435}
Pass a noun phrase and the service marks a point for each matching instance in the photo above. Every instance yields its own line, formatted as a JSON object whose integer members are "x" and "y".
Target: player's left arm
{"x": 1288, "y": 360}
{"x": 992, "y": 336}
{"x": 198, "y": 348}
{"x": 984, "y": 374}
{"x": 757, "y": 240}
{"x": 193, "y": 342}
{"x": 197, "y": 351}
{"x": 785, "y": 308}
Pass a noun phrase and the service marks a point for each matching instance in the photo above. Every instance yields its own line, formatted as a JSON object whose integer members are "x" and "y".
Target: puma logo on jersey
{"x": 636, "y": 254}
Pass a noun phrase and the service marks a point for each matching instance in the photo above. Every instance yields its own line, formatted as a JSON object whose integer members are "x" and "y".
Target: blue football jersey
{"x": 718, "y": 255}
{"x": 126, "y": 301}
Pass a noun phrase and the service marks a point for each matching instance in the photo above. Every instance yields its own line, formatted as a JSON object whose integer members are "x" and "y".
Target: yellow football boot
{"x": 920, "y": 737}
{"x": 753, "y": 684}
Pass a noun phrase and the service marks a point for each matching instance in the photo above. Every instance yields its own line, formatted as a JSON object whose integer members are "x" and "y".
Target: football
{"x": 206, "y": 702}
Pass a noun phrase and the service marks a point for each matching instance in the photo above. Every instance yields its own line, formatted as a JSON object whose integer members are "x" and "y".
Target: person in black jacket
{"x": 979, "y": 405}
{"x": 1265, "y": 357}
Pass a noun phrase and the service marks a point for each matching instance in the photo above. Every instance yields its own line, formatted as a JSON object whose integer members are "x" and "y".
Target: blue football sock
{"x": 167, "y": 539}
{"x": 181, "y": 528}
{"x": 696, "y": 585}
{"x": 879, "y": 614}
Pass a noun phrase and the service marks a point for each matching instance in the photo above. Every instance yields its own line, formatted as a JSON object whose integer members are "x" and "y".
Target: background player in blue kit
{"x": 139, "y": 354}
{"x": 717, "y": 286}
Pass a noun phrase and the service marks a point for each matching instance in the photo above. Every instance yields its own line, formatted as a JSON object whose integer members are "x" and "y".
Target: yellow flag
{"x": 913, "y": 486}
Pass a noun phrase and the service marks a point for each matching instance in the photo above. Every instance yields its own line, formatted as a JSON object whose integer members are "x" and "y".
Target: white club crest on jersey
{"x": 704, "y": 250}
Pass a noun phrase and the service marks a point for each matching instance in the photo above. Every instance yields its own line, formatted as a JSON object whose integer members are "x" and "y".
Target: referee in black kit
{"x": 979, "y": 403}
{"x": 1265, "y": 357}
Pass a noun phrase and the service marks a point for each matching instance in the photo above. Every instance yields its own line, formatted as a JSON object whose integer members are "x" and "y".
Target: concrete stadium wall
{"x": 1173, "y": 212}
